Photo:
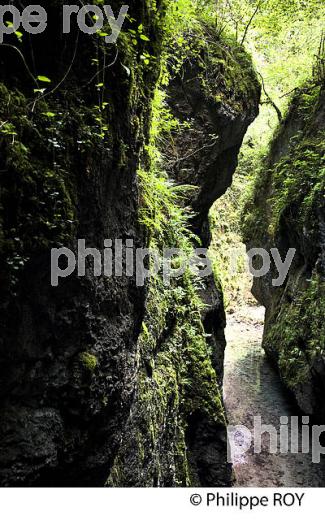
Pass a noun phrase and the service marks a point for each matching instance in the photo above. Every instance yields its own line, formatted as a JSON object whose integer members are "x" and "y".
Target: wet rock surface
{"x": 252, "y": 387}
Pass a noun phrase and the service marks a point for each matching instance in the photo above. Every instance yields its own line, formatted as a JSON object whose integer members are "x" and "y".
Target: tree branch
{"x": 251, "y": 21}
{"x": 270, "y": 101}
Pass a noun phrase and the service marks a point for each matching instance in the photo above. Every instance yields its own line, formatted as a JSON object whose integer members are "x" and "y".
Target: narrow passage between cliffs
{"x": 253, "y": 388}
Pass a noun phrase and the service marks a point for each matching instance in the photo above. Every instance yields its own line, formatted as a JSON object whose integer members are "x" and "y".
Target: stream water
{"x": 253, "y": 388}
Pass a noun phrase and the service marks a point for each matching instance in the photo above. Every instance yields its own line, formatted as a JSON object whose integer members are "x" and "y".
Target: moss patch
{"x": 298, "y": 332}
{"x": 89, "y": 361}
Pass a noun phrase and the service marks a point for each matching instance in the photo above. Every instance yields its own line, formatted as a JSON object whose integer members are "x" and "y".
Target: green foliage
{"x": 165, "y": 220}
{"x": 163, "y": 208}
{"x": 283, "y": 38}
{"x": 299, "y": 180}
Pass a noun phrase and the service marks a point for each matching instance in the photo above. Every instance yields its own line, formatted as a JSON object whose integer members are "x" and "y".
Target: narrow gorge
{"x": 108, "y": 382}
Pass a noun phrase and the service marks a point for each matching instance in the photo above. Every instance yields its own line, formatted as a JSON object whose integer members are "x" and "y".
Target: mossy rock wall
{"x": 176, "y": 432}
{"x": 103, "y": 381}
{"x": 69, "y": 166}
{"x": 287, "y": 211}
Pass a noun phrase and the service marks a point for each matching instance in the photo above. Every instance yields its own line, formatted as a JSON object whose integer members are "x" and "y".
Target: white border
{"x": 147, "y": 504}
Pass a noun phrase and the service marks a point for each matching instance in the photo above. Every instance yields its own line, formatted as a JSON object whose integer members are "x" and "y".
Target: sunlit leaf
{"x": 44, "y": 79}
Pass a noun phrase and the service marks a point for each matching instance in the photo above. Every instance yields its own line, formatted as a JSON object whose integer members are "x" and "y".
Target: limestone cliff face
{"x": 288, "y": 212}
{"x": 68, "y": 170}
{"x": 176, "y": 433}
{"x": 215, "y": 96}
{"x": 101, "y": 380}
